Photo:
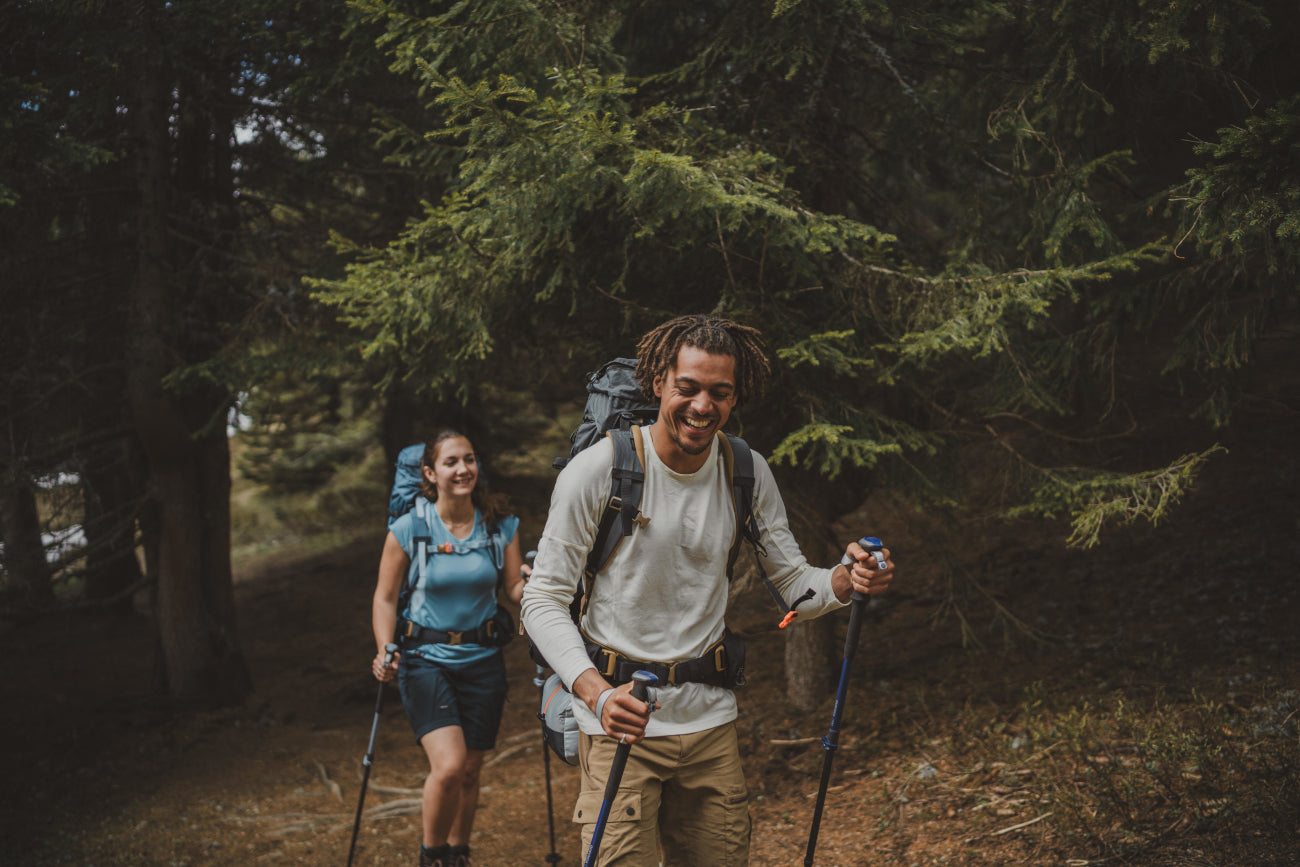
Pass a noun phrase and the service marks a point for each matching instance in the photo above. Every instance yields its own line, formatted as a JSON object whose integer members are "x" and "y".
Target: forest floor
{"x": 1150, "y": 719}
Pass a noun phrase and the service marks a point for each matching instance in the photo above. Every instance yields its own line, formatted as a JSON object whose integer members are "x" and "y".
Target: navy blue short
{"x": 471, "y": 696}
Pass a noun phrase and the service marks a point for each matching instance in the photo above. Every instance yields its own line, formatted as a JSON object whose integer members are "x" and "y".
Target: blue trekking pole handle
{"x": 641, "y": 681}
{"x": 873, "y": 546}
{"x": 831, "y": 742}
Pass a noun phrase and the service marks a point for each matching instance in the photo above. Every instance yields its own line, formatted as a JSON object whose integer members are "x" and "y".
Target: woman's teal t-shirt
{"x": 459, "y": 590}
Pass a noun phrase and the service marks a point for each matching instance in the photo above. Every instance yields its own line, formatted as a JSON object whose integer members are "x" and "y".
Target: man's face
{"x": 696, "y": 396}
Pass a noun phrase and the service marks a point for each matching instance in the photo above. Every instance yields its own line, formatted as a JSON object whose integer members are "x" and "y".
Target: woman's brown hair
{"x": 493, "y": 506}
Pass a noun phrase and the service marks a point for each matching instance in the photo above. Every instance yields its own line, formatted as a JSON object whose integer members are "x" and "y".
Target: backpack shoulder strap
{"x": 497, "y": 551}
{"x": 623, "y": 510}
{"x": 739, "y": 460}
{"x": 422, "y": 542}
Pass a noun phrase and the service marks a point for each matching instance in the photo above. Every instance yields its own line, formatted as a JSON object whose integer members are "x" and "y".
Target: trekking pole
{"x": 389, "y": 650}
{"x": 831, "y": 742}
{"x": 539, "y": 681}
{"x": 641, "y": 681}
{"x": 554, "y": 858}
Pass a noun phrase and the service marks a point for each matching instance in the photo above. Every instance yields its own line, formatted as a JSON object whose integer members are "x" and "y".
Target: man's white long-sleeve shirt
{"x": 663, "y": 595}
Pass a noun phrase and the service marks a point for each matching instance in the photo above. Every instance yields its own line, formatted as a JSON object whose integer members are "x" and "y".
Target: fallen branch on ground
{"x": 505, "y": 754}
{"x": 1021, "y": 825}
{"x": 330, "y": 786}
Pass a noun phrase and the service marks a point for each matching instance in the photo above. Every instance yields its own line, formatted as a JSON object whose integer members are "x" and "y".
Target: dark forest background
{"x": 1018, "y": 263}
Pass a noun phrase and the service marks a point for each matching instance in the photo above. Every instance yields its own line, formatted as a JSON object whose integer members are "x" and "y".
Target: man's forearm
{"x": 552, "y": 630}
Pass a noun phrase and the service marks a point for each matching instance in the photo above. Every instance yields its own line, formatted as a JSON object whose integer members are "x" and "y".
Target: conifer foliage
{"x": 985, "y": 241}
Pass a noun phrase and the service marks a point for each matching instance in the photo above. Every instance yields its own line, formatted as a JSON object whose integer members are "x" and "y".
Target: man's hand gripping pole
{"x": 831, "y": 742}
{"x": 641, "y": 683}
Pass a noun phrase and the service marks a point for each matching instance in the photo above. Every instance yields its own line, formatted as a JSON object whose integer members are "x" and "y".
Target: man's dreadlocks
{"x": 658, "y": 350}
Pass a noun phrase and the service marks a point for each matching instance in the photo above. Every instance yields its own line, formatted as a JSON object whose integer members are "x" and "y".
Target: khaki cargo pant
{"x": 682, "y": 794}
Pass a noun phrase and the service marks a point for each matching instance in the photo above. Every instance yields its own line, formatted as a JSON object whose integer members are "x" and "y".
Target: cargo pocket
{"x": 735, "y": 835}
{"x": 626, "y": 807}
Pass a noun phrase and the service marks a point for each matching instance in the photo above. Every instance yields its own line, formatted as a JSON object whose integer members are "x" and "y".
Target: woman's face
{"x": 455, "y": 468}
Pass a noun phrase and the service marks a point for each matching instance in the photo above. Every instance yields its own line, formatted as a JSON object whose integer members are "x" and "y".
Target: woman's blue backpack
{"x": 406, "y": 482}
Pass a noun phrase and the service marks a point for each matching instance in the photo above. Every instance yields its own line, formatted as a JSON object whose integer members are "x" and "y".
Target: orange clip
{"x": 792, "y": 614}
{"x": 445, "y": 548}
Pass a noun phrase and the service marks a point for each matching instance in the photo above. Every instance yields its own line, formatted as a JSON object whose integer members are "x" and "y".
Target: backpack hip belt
{"x": 492, "y": 632}
{"x": 723, "y": 664}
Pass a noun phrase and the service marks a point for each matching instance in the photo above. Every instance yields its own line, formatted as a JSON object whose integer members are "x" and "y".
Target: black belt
{"x": 717, "y": 667}
{"x": 489, "y": 632}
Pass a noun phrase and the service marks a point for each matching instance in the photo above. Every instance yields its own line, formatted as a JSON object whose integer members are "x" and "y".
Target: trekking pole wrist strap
{"x": 600, "y": 703}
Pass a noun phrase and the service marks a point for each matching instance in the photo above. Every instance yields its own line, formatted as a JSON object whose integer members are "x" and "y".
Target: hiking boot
{"x": 435, "y": 857}
{"x": 458, "y": 856}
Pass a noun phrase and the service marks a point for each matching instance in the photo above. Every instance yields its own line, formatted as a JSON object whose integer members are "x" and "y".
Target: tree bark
{"x": 110, "y": 526}
{"x": 24, "y": 555}
{"x": 809, "y": 651}
{"x": 810, "y": 655}
{"x": 188, "y": 461}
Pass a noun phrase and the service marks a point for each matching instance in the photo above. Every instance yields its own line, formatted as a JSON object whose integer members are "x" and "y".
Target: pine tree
{"x": 956, "y": 224}
{"x": 173, "y": 167}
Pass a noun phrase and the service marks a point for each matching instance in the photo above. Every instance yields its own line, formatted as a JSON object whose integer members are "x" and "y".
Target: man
{"x": 662, "y": 597}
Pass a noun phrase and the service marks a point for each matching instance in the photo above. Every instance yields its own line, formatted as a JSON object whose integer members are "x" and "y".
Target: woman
{"x": 450, "y": 670}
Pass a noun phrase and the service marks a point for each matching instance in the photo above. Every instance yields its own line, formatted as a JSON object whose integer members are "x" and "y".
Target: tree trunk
{"x": 188, "y": 469}
{"x": 809, "y": 656}
{"x": 811, "y": 659}
{"x": 24, "y": 555}
{"x": 195, "y": 595}
{"x": 110, "y": 521}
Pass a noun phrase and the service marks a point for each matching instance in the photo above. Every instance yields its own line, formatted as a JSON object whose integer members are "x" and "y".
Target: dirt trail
{"x": 96, "y": 773}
